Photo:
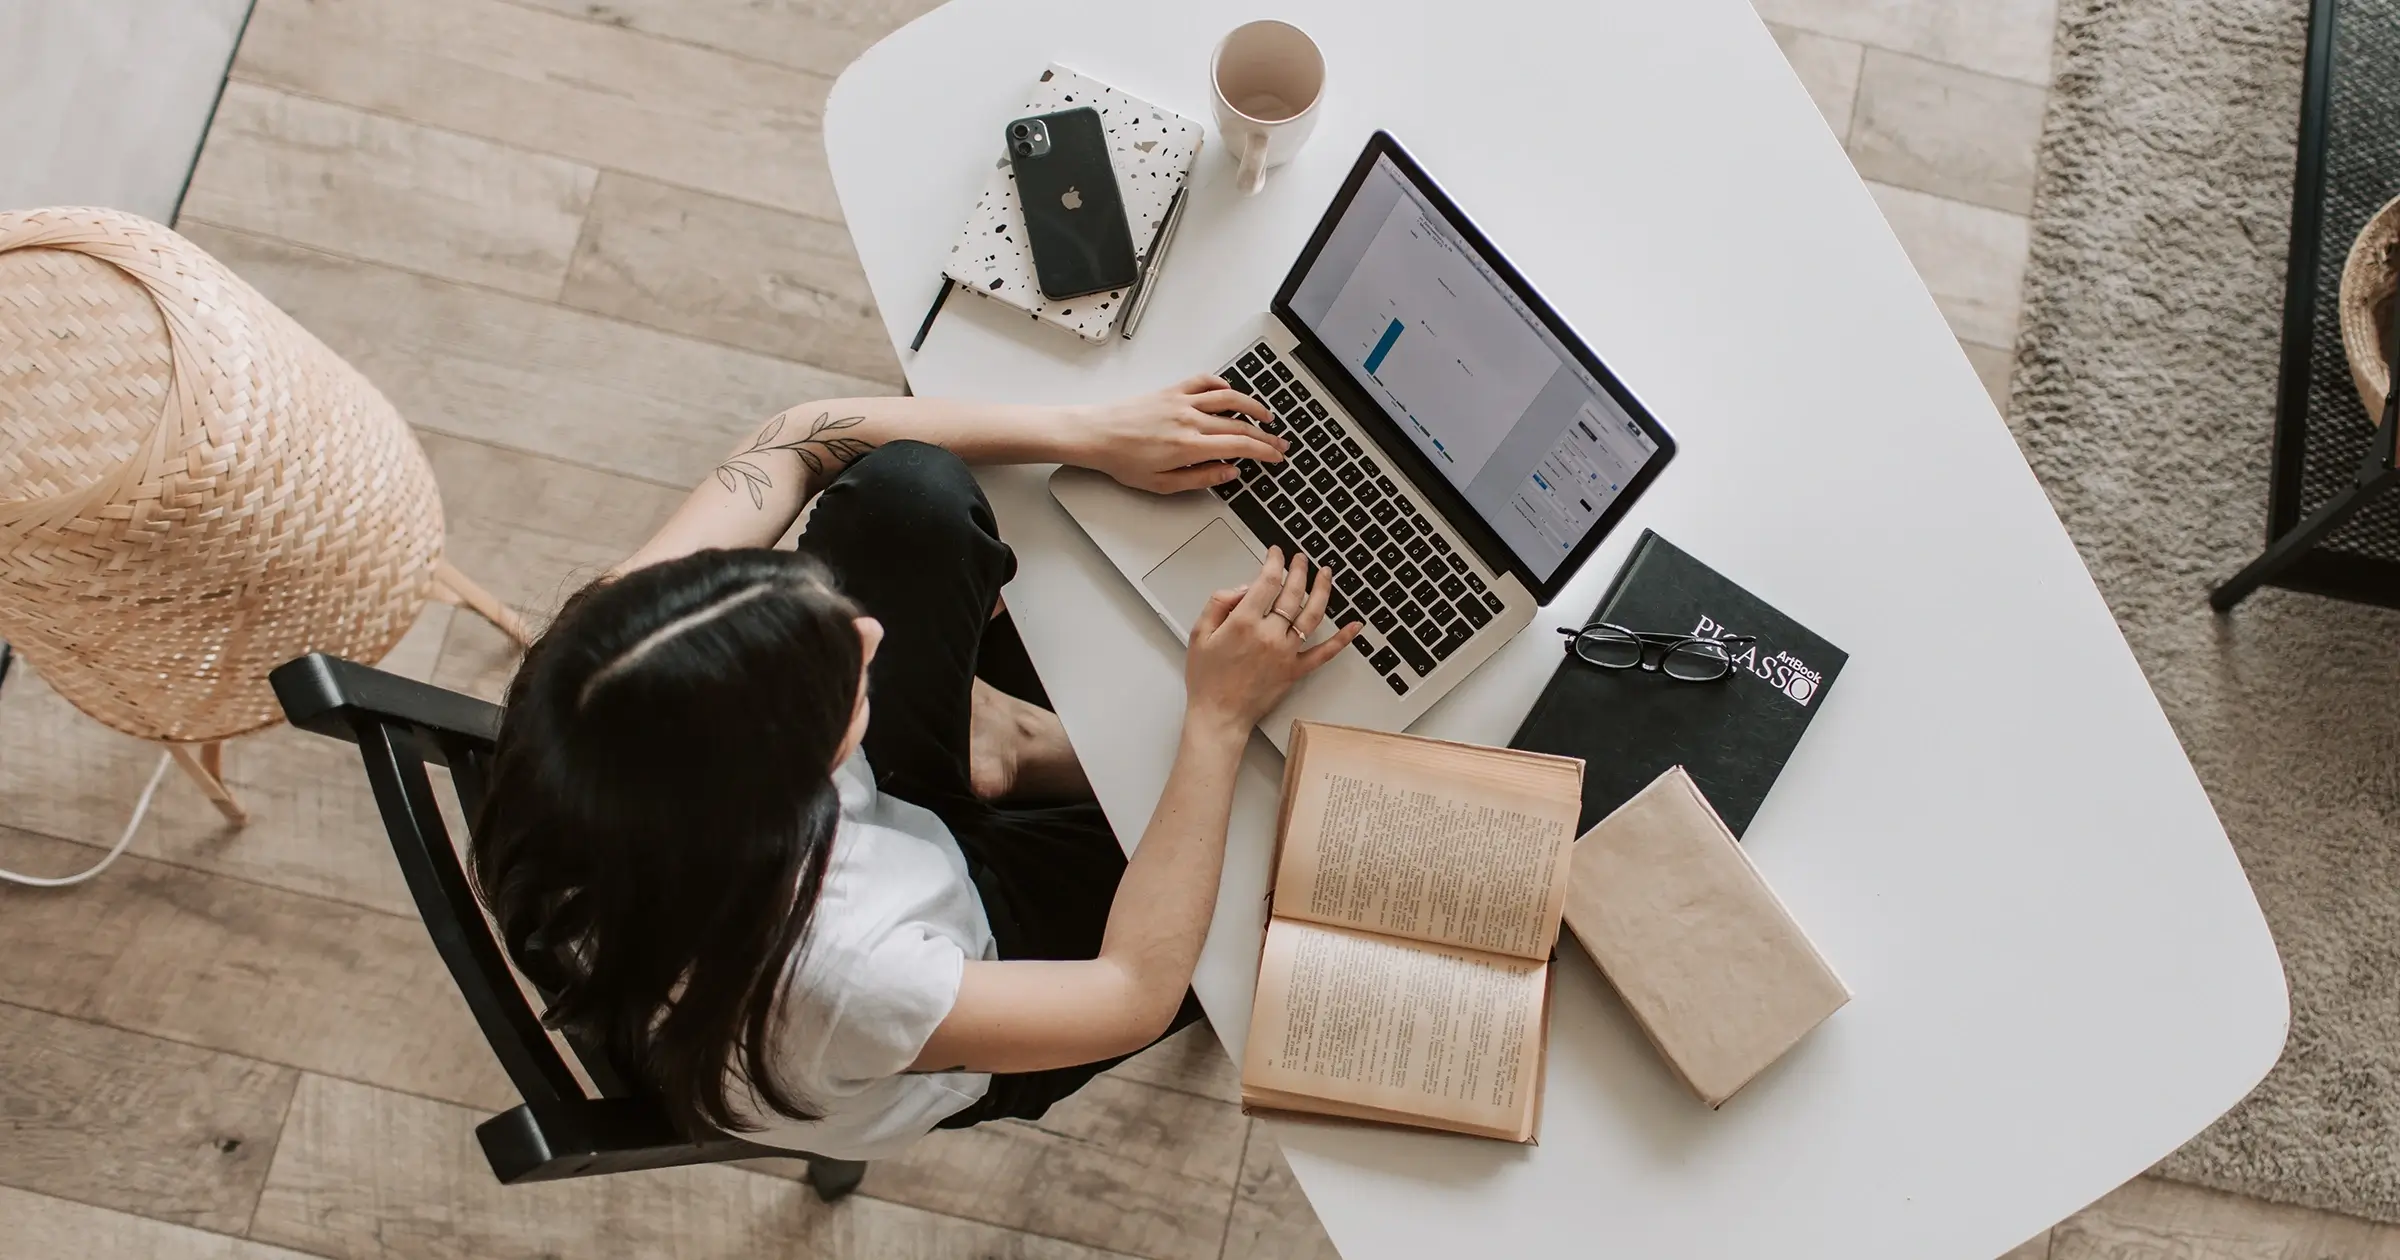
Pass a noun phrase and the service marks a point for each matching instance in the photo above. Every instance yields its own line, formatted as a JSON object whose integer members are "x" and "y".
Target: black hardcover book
{"x": 1631, "y": 725}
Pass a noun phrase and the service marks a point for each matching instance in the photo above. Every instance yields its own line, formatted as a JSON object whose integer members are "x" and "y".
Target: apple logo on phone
{"x": 1072, "y": 198}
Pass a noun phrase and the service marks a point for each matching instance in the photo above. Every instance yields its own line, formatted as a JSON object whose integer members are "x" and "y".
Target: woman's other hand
{"x": 1179, "y": 438}
{"x": 1249, "y": 646}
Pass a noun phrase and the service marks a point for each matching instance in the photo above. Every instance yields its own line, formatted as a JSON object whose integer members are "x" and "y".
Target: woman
{"x": 759, "y": 825}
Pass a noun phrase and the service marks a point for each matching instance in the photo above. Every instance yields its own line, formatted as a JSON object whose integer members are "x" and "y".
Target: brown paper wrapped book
{"x": 1418, "y": 891}
{"x": 1704, "y": 954}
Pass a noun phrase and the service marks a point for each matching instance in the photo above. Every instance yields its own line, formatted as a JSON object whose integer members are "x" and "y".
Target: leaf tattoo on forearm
{"x": 822, "y": 445}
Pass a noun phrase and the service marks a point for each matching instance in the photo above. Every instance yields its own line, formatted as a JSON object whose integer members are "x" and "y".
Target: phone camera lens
{"x": 1024, "y": 149}
{"x": 1020, "y": 131}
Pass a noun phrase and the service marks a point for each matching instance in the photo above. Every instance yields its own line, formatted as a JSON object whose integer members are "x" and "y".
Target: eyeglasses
{"x": 1682, "y": 657}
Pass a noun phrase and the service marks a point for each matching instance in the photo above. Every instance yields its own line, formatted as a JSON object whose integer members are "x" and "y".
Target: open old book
{"x": 1417, "y": 896}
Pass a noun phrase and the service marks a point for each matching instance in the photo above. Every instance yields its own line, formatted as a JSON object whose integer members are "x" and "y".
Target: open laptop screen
{"x": 1437, "y": 335}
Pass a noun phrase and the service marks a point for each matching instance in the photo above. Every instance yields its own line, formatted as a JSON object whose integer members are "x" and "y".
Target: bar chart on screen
{"x": 1383, "y": 344}
{"x": 1439, "y": 342}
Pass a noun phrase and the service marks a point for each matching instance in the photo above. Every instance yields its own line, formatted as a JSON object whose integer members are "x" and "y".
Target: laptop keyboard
{"x": 1332, "y": 500}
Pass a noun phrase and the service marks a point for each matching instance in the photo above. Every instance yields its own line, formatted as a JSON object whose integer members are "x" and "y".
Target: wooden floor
{"x": 582, "y": 244}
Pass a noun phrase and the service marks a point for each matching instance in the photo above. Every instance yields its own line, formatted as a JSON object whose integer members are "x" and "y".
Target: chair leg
{"x": 205, "y": 763}
{"x": 454, "y": 587}
{"x": 834, "y": 1179}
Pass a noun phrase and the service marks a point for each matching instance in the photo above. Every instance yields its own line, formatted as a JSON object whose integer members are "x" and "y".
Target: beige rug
{"x": 2144, "y": 399}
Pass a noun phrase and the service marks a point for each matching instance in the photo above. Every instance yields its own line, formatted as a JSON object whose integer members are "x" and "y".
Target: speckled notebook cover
{"x": 1152, "y": 152}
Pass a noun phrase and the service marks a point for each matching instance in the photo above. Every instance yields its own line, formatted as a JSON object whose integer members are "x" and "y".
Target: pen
{"x": 1130, "y": 313}
{"x": 1158, "y": 258}
{"x": 918, "y": 342}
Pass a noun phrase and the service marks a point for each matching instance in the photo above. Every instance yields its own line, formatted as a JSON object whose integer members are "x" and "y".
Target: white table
{"x": 1991, "y": 831}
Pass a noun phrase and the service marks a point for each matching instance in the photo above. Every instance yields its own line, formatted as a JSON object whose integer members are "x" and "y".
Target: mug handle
{"x": 1253, "y": 174}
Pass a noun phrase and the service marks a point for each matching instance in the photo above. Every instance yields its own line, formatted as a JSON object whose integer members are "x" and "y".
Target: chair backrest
{"x": 401, "y": 726}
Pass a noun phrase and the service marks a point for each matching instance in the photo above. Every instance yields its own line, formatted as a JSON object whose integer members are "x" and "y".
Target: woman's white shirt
{"x": 876, "y": 972}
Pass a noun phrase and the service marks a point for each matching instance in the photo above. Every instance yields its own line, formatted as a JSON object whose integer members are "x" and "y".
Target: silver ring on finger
{"x": 1288, "y": 623}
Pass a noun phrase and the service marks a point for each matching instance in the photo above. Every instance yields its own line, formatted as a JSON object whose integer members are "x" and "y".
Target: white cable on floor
{"x": 140, "y": 807}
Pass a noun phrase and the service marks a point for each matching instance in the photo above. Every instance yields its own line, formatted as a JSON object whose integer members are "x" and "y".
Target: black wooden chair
{"x": 401, "y": 726}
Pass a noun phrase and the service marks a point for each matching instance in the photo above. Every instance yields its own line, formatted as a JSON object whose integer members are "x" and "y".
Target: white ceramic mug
{"x": 1268, "y": 77}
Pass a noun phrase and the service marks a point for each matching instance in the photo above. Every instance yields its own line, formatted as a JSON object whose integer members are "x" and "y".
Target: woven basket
{"x": 2368, "y": 281}
{"x": 193, "y": 489}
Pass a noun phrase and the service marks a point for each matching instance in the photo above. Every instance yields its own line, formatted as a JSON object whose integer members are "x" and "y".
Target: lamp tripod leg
{"x": 205, "y": 763}
{"x": 454, "y": 587}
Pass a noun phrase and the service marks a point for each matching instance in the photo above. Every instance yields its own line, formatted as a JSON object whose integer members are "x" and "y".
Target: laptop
{"x": 1456, "y": 453}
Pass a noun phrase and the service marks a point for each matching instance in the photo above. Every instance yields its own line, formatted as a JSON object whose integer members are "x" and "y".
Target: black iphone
{"x": 1074, "y": 219}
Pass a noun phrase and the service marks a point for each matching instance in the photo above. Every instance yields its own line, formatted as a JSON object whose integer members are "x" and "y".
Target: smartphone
{"x": 1074, "y": 219}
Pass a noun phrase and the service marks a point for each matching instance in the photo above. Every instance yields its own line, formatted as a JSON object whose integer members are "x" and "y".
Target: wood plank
{"x": 364, "y": 1172}
{"x": 44, "y": 1228}
{"x": 120, "y": 1120}
{"x": 2150, "y": 1219}
{"x": 313, "y": 826}
{"x": 414, "y": 656}
{"x": 2002, "y": 37}
{"x": 1946, "y": 131}
{"x": 1192, "y": 1061}
{"x": 1271, "y": 1218}
{"x": 822, "y": 36}
{"x": 1828, "y": 68}
{"x": 529, "y": 375}
{"x": 592, "y": 92}
{"x": 477, "y": 660}
{"x": 1119, "y": 1165}
{"x": 389, "y": 191}
{"x": 243, "y": 969}
{"x": 533, "y": 530}
{"x": 767, "y": 280}
{"x": 1971, "y": 258}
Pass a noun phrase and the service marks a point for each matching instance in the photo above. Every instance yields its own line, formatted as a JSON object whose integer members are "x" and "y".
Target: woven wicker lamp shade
{"x": 193, "y": 489}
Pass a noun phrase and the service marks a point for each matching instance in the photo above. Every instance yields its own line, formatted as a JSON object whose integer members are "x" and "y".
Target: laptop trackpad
{"x": 1212, "y": 560}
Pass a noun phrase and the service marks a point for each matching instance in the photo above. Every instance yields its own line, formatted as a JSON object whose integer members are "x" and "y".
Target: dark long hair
{"x": 661, "y": 808}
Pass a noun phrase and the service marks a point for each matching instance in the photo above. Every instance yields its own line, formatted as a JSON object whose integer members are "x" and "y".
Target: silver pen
{"x": 1158, "y": 259}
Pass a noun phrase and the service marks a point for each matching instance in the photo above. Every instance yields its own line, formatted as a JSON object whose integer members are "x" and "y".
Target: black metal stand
{"x": 2377, "y": 471}
{"x": 2376, "y": 474}
{"x": 2330, "y": 529}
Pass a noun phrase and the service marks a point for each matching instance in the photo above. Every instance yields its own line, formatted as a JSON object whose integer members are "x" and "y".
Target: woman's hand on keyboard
{"x": 1182, "y": 437}
{"x": 1251, "y": 644}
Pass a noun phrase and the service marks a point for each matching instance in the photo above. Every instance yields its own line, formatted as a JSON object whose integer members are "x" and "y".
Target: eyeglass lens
{"x": 1607, "y": 646}
{"x": 1696, "y": 660}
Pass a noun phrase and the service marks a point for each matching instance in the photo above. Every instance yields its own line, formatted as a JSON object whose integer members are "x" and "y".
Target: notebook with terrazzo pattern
{"x": 1152, "y": 152}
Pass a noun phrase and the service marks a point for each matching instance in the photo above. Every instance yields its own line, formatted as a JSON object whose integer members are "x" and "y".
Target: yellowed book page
{"x": 1420, "y": 1030}
{"x": 1455, "y": 844}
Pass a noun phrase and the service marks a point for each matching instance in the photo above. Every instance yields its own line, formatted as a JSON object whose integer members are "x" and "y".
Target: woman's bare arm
{"x": 1023, "y": 1016}
{"x": 1175, "y": 439}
